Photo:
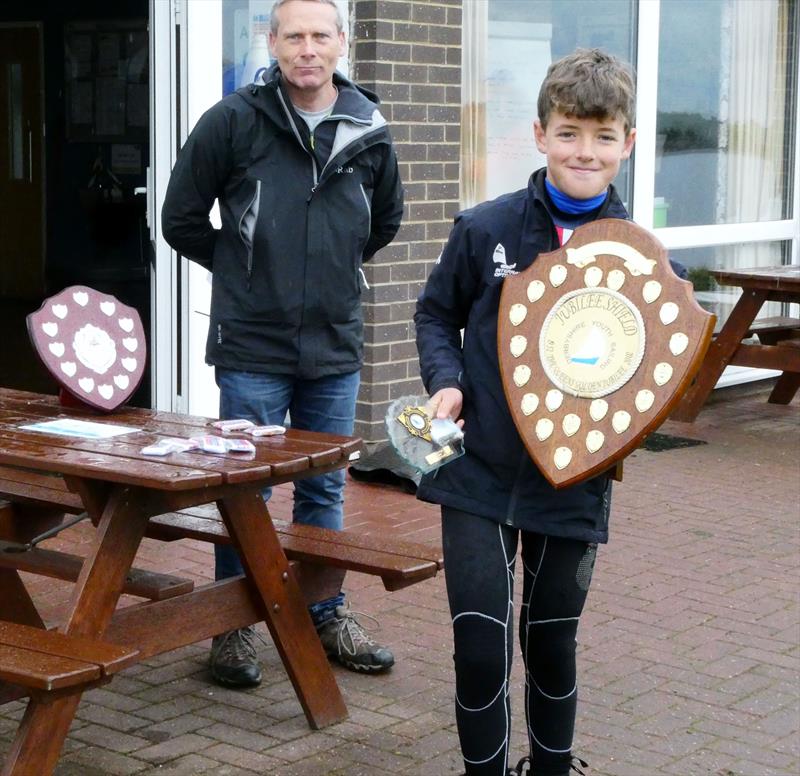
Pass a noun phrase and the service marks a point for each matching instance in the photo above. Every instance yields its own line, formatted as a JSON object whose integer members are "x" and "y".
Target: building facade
{"x": 714, "y": 172}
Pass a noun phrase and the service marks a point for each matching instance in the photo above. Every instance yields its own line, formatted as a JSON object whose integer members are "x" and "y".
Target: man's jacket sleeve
{"x": 387, "y": 206}
{"x": 442, "y": 311}
{"x": 203, "y": 167}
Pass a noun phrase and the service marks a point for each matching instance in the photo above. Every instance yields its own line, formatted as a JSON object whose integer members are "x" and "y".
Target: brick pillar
{"x": 409, "y": 53}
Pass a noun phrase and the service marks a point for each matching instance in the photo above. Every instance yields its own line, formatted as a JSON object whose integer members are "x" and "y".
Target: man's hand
{"x": 446, "y": 404}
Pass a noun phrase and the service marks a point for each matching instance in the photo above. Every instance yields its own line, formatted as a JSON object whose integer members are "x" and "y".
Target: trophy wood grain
{"x": 89, "y": 372}
{"x": 692, "y": 320}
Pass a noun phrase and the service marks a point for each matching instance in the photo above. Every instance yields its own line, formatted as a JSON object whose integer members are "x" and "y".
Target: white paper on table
{"x": 85, "y": 429}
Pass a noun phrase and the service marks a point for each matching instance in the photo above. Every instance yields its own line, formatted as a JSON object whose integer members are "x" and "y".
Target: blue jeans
{"x": 327, "y": 404}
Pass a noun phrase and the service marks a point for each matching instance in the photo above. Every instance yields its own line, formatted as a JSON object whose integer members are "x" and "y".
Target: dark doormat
{"x": 384, "y": 466}
{"x": 657, "y": 443}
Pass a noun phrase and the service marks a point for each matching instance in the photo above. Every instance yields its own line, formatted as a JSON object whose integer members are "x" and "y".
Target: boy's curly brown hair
{"x": 589, "y": 83}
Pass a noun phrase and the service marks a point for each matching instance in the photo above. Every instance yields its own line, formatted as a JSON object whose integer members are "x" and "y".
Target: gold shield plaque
{"x": 597, "y": 342}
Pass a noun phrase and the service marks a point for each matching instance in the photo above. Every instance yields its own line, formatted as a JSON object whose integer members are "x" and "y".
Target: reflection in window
{"x": 507, "y": 48}
{"x": 15, "y": 140}
{"x": 724, "y": 105}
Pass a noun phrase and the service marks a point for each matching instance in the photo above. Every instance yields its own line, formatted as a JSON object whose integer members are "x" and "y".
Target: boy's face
{"x": 583, "y": 155}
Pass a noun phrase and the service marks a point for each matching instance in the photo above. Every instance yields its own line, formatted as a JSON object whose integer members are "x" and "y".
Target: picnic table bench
{"x": 45, "y": 478}
{"x": 48, "y": 661}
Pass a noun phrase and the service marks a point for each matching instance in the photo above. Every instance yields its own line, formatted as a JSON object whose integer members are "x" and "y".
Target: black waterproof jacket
{"x": 496, "y": 478}
{"x": 286, "y": 293}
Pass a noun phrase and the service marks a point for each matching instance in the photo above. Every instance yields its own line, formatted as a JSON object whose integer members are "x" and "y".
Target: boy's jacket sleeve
{"x": 203, "y": 167}
{"x": 443, "y": 309}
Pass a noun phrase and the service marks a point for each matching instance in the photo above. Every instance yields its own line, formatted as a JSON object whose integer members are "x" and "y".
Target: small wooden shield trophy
{"x": 92, "y": 344}
{"x": 597, "y": 342}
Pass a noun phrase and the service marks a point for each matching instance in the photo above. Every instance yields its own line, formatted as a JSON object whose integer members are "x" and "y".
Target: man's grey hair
{"x": 273, "y": 18}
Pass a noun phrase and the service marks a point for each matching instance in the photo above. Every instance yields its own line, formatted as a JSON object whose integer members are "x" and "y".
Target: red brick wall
{"x": 409, "y": 52}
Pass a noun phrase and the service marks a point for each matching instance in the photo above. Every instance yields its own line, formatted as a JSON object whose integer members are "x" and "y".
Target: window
{"x": 508, "y": 46}
{"x": 724, "y": 127}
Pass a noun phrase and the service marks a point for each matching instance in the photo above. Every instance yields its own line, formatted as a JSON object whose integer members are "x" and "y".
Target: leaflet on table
{"x": 207, "y": 443}
{"x": 84, "y": 429}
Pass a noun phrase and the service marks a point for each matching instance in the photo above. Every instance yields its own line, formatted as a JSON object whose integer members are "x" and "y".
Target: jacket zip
{"x": 299, "y": 138}
{"x": 366, "y": 202}
{"x": 256, "y": 197}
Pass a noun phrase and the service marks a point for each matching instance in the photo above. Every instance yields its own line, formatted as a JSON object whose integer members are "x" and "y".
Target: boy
{"x": 494, "y": 493}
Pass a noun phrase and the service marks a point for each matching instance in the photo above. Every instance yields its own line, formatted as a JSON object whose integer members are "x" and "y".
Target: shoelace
{"x": 239, "y": 645}
{"x": 356, "y": 632}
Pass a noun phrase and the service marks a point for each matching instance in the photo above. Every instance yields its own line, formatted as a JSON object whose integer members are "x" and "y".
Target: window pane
{"x": 721, "y": 299}
{"x": 725, "y": 102}
{"x": 523, "y": 39}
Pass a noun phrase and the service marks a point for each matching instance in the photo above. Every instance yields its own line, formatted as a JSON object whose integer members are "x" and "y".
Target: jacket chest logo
{"x": 343, "y": 170}
{"x": 502, "y": 269}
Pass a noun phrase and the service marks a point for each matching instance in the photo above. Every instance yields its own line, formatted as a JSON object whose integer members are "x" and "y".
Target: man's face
{"x": 307, "y": 44}
{"x": 583, "y": 155}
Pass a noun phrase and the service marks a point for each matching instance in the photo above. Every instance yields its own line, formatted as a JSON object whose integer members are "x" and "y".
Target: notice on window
{"x": 83, "y": 429}
{"x": 518, "y": 58}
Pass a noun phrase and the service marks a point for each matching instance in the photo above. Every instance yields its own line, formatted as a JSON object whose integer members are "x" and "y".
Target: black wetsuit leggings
{"x": 479, "y": 557}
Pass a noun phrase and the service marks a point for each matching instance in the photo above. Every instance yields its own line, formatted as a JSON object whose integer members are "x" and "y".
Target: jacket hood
{"x": 354, "y": 103}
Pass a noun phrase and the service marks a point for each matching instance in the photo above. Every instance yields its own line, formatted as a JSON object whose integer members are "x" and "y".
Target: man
{"x": 307, "y": 182}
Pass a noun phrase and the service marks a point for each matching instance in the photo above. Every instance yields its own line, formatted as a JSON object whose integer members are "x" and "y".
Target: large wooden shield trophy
{"x": 93, "y": 345}
{"x": 597, "y": 342}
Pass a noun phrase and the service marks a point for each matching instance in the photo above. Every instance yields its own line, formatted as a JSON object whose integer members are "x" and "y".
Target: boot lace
{"x": 238, "y": 646}
{"x": 352, "y": 636}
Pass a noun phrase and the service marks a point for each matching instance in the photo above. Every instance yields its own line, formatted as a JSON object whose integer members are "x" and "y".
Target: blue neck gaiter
{"x": 567, "y": 204}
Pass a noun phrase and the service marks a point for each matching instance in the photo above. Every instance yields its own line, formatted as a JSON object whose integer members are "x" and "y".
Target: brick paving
{"x": 688, "y": 657}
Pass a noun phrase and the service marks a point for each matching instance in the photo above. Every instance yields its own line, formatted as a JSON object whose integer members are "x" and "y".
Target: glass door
{"x": 225, "y": 48}
{"x": 202, "y": 88}
{"x": 164, "y": 131}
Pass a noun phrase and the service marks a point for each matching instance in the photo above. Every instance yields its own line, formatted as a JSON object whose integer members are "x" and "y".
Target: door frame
{"x": 39, "y": 27}
{"x": 202, "y": 87}
{"x": 185, "y": 81}
{"x": 165, "y": 136}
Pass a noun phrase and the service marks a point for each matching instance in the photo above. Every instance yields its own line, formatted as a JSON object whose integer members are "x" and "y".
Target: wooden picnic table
{"x": 121, "y": 489}
{"x": 779, "y": 338}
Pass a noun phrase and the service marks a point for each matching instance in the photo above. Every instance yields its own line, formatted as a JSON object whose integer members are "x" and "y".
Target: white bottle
{"x": 256, "y": 61}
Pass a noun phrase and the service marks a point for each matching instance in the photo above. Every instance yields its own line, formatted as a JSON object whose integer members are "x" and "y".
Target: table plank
{"x": 232, "y": 468}
{"x": 764, "y": 278}
{"x": 109, "y": 657}
{"x": 312, "y": 443}
{"x": 279, "y": 455}
{"x": 100, "y": 466}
